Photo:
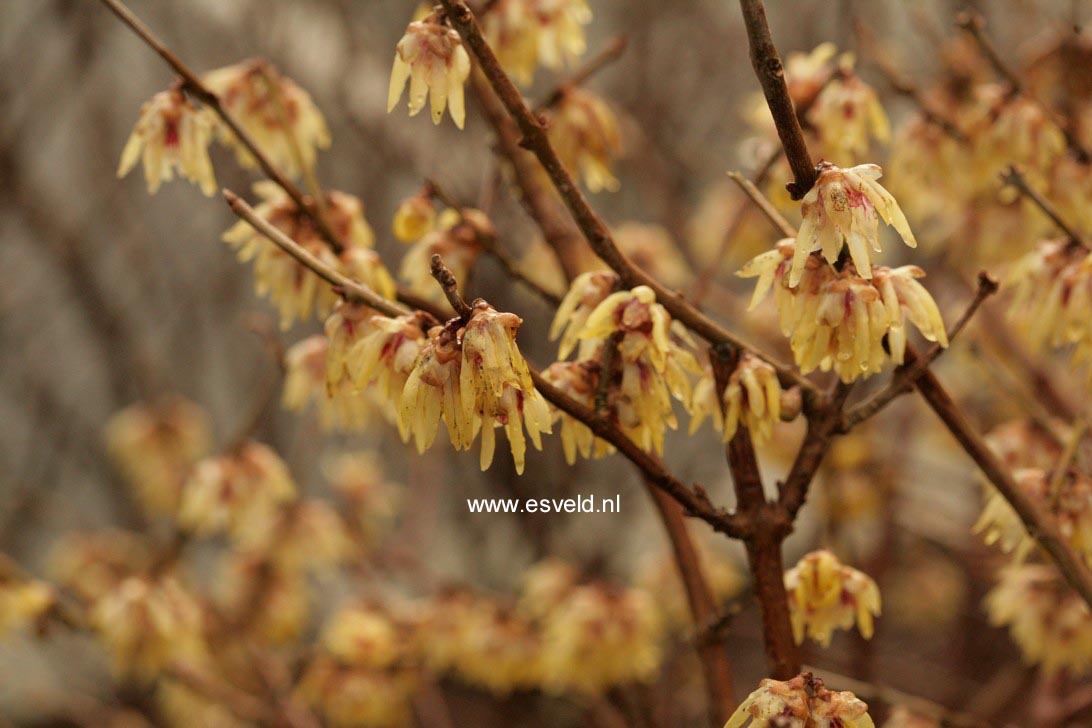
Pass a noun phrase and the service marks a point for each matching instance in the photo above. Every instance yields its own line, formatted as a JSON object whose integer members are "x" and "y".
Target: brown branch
{"x": 771, "y": 76}
{"x": 450, "y": 286}
{"x": 793, "y": 491}
{"x": 194, "y": 85}
{"x": 902, "y": 381}
{"x": 611, "y": 51}
{"x": 776, "y": 218}
{"x": 594, "y": 229}
{"x": 1015, "y": 178}
{"x": 1039, "y": 524}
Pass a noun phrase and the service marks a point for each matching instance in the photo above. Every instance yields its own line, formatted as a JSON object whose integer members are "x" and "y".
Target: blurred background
{"x": 109, "y": 296}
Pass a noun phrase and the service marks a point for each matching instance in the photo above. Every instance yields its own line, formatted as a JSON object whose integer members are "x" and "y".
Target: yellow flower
{"x": 825, "y": 595}
{"x": 147, "y": 623}
{"x": 237, "y": 492}
{"x": 171, "y": 134}
{"x": 840, "y": 320}
{"x": 363, "y": 637}
{"x": 455, "y": 239}
{"x": 296, "y": 291}
{"x": 498, "y": 650}
{"x": 600, "y": 636}
{"x": 353, "y": 697}
{"x": 274, "y": 111}
{"x": 92, "y": 564}
{"x": 414, "y": 217}
{"x": 155, "y": 446}
{"x": 22, "y": 602}
{"x": 800, "y": 703}
{"x": 585, "y": 134}
{"x": 847, "y": 115}
{"x": 841, "y": 209}
{"x": 283, "y": 611}
{"x": 579, "y": 380}
{"x": 659, "y": 576}
{"x": 525, "y": 33}
{"x": 1070, "y": 506}
{"x": 752, "y": 397}
{"x": 341, "y": 407}
{"x": 474, "y": 376}
{"x": 1048, "y": 621}
{"x": 585, "y": 293}
{"x": 371, "y": 500}
{"x": 432, "y": 58}
{"x": 381, "y": 360}
{"x": 1013, "y": 130}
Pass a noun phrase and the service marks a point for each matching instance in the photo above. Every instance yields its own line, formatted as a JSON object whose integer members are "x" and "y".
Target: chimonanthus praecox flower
{"x": 473, "y": 376}
{"x": 585, "y": 133}
{"x": 585, "y": 293}
{"x": 825, "y": 594}
{"x": 525, "y": 33}
{"x": 847, "y": 115}
{"x": 841, "y": 208}
{"x": 579, "y": 380}
{"x": 171, "y": 134}
{"x": 802, "y": 702}
{"x": 752, "y": 398}
{"x": 432, "y": 58}
{"x": 274, "y": 111}
{"x": 340, "y": 407}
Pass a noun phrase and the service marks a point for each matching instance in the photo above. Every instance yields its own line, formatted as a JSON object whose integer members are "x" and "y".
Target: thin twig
{"x": 612, "y": 50}
{"x": 902, "y": 380}
{"x": 776, "y": 218}
{"x": 1015, "y": 178}
{"x": 194, "y": 85}
{"x": 450, "y": 287}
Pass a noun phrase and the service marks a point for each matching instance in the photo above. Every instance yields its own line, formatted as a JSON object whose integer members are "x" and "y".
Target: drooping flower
{"x": 432, "y": 58}
{"x": 839, "y": 320}
{"x": 1048, "y": 621}
{"x": 847, "y": 115}
{"x": 1013, "y": 130}
{"x": 370, "y": 499}
{"x": 526, "y": 33}
{"x": 270, "y": 601}
{"x": 457, "y": 239}
{"x": 752, "y": 398}
{"x": 651, "y": 366}
{"x": 498, "y": 649}
{"x": 800, "y": 703}
{"x": 155, "y": 445}
{"x": 585, "y": 293}
{"x": 146, "y": 623}
{"x": 473, "y": 376}
{"x": 339, "y": 407}
{"x": 1070, "y": 506}
{"x": 381, "y": 360}
{"x": 274, "y": 111}
{"x": 238, "y": 491}
{"x": 414, "y": 217}
{"x": 825, "y": 594}
{"x": 584, "y": 131}
{"x": 599, "y": 636}
{"x": 841, "y": 209}
{"x": 171, "y": 134}
{"x": 93, "y": 564}
{"x": 22, "y": 602}
{"x": 295, "y": 290}
{"x": 579, "y": 380}
{"x": 364, "y": 636}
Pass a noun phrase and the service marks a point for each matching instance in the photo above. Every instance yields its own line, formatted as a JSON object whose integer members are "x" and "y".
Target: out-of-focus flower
{"x": 181, "y": 707}
{"x": 579, "y": 380}
{"x": 499, "y": 650}
{"x": 294, "y": 289}
{"x": 274, "y": 111}
{"x": 525, "y": 33}
{"x": 432, "y": 58}
{"x": 22, "y": 602}
{"x": 825, "y": 594}
{"x": 1048, "y": 621}
{"x": 903, "y": 717}
{"x": 1013, "y": 130}
{"x": 585, "y": 293}
{"x": 841, "y": 321}
{"x": 752, "y": 397}
{"x": 841, "y": 209}
{"x": 800, "y": 703}
{"x": 155, "y": 445}
{"x": 371, "y": 499}
{"x": 652, "y": 248}
{"x": 263, "y": 597}
{"x": 352, "y": 697}
{"x": 92, "y": 564}
{"x": 1024, "y": 443}
{"x": 306, "y": 535}
{"x": 456, "y": 239}
{"x": 473, "y": 376}
{"x": 238, "y": 491}
{"x": 147, "y": 623}
{"x": 171, "y": 134}
{"x": 339, "y": 407}
{"x": 652, "y": 365}
{"x": 1070, "y": 506}
{"x": 929, "y": 172}
{"x": 414, "y": 217}
{"x": 600, "y": 636}
{"x": 364, "y": 637}
{"x": 1052, "y": 294}
{"x": 926, "y": 596}
{"x": 847, "y": 116}
{"x": 659, "y": 576}
{"x": 585, "y": 133}
{"x": 546, "y": 584}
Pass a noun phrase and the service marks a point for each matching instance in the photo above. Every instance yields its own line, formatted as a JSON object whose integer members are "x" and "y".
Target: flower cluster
{"x": 171, "y": 133}
{"x": 297, "y": 293}
{"x": 529, "y": 33}
{"x": 825, "y": 594}
{"x": 585, "y": 133}
{"x": 339, "y": 406}
{"x": 431, "y": 57}
{"x": 799, "y": 703}
{"x": 752, "y": 397}
{"x": 1050, "y": 623}
{"x": 840, "y": 320}
{"x": 471, "y": 374}
{"x": 155, "y": 446}
{"x": 580, "y": 381}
